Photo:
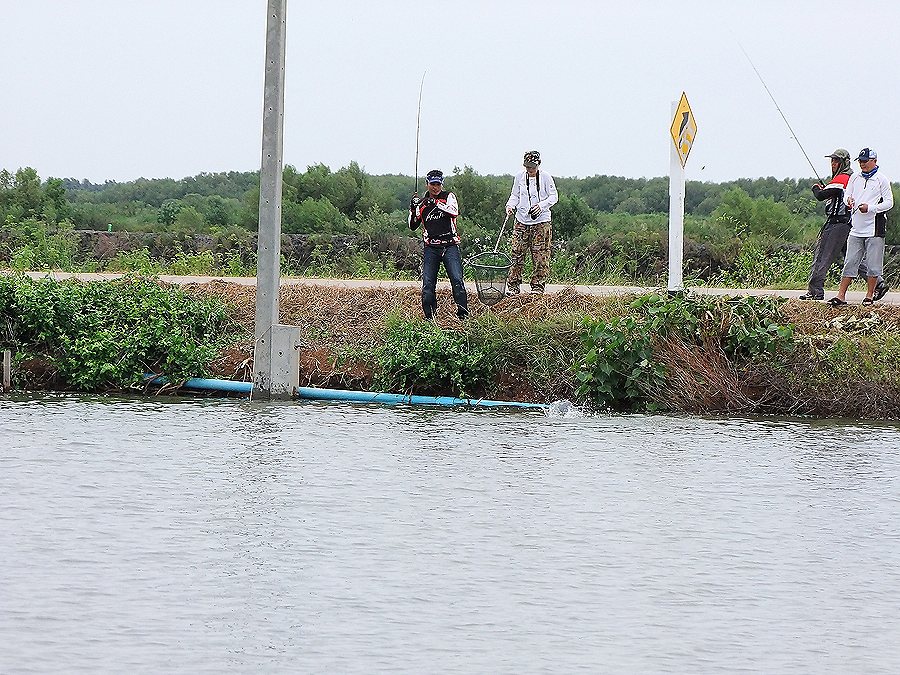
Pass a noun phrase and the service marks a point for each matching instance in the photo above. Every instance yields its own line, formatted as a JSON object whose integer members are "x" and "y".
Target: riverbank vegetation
{"x": 651, "y": 352}
{"x": 346, "y": 223}
{"x": 103, "y": 336}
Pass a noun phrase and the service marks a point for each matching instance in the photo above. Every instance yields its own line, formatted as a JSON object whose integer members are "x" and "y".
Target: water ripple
{"x": 203, "y": 536}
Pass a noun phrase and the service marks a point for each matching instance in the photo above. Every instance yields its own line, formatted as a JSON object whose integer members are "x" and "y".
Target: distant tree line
{"x": 603, "y": 216}
{"x": 322, "y": 200}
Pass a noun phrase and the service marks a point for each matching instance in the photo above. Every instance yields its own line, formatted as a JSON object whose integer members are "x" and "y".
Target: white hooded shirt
{"x": 526, "y": 192}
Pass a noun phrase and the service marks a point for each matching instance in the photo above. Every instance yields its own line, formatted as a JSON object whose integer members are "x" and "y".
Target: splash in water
{"x": 564, "y": 409}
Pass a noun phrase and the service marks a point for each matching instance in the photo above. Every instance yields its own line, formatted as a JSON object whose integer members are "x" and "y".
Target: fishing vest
{"x": 835, "y": 209}
{"x": 438, "y": 227}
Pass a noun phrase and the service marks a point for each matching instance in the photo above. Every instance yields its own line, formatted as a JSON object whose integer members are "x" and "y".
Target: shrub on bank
{"x": 420, "y": 357}
{"x": 106, "y": 334}
{"x": 676, "y": 343}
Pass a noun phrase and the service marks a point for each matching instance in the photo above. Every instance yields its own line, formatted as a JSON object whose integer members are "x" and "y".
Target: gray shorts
{"x": 872, "y": 248}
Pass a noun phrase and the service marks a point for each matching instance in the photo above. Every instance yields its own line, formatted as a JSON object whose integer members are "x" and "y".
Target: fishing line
{"x": 793, "y": 135}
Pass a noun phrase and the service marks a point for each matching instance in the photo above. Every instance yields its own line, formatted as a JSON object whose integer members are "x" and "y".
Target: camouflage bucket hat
{"x": 532, "y": 158}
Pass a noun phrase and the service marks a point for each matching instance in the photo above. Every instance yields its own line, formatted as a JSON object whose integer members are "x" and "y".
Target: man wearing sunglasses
{"x": 436, "y": 213}
{"x": 869, "y": 198}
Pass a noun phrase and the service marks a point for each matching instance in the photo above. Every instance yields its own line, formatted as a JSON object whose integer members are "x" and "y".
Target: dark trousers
{"x": 832, "y": 240}
{"x": 431, "y": 261}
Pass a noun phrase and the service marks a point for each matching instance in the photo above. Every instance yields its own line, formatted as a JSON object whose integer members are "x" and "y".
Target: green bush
{"x": 106, "y": 335}
{"x": 138, "y": 261}
{"x": 45, "y": 248}
{"x": 420, "y": 357}
{"x": 746, "y": 326}
{"x": 618, "y": 368}
{"x": 760, "y": 266}
{"x": 760, "y": 215}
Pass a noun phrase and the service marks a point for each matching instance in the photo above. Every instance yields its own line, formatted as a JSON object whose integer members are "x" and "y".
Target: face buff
{"x": 869, "y": 174}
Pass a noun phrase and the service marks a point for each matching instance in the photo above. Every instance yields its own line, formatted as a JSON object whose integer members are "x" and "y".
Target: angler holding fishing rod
{"x": 832, "y": 237}
{"x": 436, "y": 212}
{"x": 837, "y": 226}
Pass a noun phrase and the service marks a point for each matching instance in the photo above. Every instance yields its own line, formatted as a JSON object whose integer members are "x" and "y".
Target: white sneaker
{"x": 537, "y": 291}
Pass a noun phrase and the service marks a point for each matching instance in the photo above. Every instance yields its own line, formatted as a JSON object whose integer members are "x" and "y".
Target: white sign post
{"x": 683, "y": 131}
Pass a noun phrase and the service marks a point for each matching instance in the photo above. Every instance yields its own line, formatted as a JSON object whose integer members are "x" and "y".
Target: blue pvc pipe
{"x": 231, "y": 386}
{"x": 381, "y": 397}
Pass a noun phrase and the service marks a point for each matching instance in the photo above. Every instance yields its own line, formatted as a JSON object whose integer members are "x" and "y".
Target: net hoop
{"x": 490, "y": 269}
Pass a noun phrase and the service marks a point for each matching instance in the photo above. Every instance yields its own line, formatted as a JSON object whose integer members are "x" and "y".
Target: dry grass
{"x": 355, "y": 316}
{"x": 701, "y": 379}
{"x": 816, "y": 317}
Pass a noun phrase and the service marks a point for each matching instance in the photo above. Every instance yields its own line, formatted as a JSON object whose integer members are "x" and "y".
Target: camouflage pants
{"x": 537, "y": 239}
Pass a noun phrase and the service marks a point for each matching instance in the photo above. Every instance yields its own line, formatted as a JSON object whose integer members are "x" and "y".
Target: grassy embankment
{"x": 743, "y": 355}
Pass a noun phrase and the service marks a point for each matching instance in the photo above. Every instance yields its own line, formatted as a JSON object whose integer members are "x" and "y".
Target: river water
{"x": 208, "y": 536}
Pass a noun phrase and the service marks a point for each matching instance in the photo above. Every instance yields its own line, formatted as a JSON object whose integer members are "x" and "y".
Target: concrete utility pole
{"x": 275, "y": 358}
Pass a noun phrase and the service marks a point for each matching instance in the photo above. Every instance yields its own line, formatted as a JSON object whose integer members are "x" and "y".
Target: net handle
{"x": 502, "y": 228}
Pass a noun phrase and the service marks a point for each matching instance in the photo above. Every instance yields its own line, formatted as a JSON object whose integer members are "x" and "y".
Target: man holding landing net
{"x": 533, "y": 194}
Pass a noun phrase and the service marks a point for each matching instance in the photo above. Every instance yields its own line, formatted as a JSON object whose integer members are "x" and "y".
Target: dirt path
{"x": 854, "y": 296}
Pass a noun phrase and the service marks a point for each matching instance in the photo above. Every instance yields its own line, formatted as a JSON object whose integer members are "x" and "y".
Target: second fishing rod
{"x": 780, "y": 112}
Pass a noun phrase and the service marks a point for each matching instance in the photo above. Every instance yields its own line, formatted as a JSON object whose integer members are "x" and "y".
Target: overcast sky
{"x": 119, "y": 89}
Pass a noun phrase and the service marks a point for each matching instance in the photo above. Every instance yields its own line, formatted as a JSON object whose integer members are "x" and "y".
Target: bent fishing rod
{"x": 418, "y": 118}
{"x": 793, "y": 135}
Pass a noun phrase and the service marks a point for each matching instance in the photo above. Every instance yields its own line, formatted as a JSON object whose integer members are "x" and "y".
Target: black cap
{"x": 866, "y": 154}
{"x": 435, "y": 176}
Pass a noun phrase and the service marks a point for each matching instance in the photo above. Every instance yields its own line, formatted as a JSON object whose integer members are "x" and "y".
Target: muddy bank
{"x": 841, "y": 363}
{"x": 700, "y": 354}
{"x": 340, "y": 328}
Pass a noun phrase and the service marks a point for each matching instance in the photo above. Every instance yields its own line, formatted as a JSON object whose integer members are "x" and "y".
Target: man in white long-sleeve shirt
{"x": 533, "y": 194}
{"x": 869, "y": 197}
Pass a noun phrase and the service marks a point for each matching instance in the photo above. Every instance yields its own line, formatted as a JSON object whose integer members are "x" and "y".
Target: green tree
{"x": 481, "y": 198}
{"x": 217, "y": 211}
{"x": 168, "y": 212}
{"x": 571, "y": 216}
{"x": 189, "y": 219}
{"x": 27, "y": 193}
{"x": 56, "y": 206}
{"x": 313, "y": 216}
{"x": 633, "y": 204}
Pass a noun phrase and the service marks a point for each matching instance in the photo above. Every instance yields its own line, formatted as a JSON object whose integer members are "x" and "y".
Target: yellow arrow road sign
{"x": 684, "y": 129}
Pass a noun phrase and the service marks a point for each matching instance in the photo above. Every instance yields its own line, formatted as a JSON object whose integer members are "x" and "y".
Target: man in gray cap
{"x": 869, "y": 198}
{"x": 833, "y": 236}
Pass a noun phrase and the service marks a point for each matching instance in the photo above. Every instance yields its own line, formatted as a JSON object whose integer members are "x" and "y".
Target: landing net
{"x": 491, "y": 269}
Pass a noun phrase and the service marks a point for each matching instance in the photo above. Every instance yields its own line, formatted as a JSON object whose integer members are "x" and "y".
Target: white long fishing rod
{"x": 418, "y": 119}
{"x": 793, "y": 135}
